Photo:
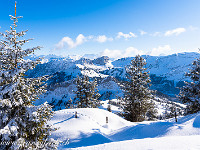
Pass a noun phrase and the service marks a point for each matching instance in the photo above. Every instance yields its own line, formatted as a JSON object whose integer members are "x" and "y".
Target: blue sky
{"x": 117, "y": 28}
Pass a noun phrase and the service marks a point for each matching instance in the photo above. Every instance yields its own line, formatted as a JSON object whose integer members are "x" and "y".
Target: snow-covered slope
{"x": 162, "y": 143}
{"x": 90, "y": 128}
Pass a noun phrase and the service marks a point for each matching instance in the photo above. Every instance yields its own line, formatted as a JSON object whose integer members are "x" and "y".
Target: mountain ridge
{"x": 166, "y": 73}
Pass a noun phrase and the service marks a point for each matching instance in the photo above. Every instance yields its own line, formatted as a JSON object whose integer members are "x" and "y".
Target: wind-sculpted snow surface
{"x": 90, "y": 128}
{"x": 163, "y": 143}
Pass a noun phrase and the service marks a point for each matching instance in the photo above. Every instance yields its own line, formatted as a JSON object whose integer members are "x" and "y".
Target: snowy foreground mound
{"x": 90, "y": 128}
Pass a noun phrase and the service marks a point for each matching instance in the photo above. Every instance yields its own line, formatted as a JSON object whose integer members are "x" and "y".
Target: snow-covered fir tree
{"x": 22, "y": 125}
{"x": 190, "y": 93}
{"x": 87, "y": 93}
{"x": 137, "y": 102}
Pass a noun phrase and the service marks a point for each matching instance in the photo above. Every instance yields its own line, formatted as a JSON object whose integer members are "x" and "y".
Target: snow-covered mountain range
{"x": 166, "y": 72}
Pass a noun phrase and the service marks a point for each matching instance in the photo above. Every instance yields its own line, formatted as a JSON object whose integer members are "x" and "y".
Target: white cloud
{"x": 142, "y": 32}
{"x": 111, "y": 53}
{"x": 176, "y": 31}
{"x": 161, "y": 50}
{"x": 129, "y": 52}
{"x": 80, "y": 39}
{"x": 167, "y": 50}
{"x": 126, "y": 36}
{"x": 156, "y": 34}
{"x": 103, "y": 38}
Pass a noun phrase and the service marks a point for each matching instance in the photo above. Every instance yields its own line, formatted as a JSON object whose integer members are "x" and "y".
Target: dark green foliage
{"x": 87, "y": 93}
{"x": 190, "y": 93}
{"x": 137, "y": 103}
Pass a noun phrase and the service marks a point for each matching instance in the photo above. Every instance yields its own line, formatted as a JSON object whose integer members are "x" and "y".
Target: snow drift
{"x": 90, "y": 128}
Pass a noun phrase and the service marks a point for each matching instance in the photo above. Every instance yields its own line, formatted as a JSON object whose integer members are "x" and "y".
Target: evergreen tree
{"x": 22, "y": 125}
{"x": 137, "y": 102}
{"x": 87, "y": 93}
{"x": 190, "y": 93}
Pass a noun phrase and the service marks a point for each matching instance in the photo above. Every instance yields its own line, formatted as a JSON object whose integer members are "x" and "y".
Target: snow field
{"x": 163, "y": 143}
{"x": 90, "y": 129}
{"x": 91, "y": 123}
